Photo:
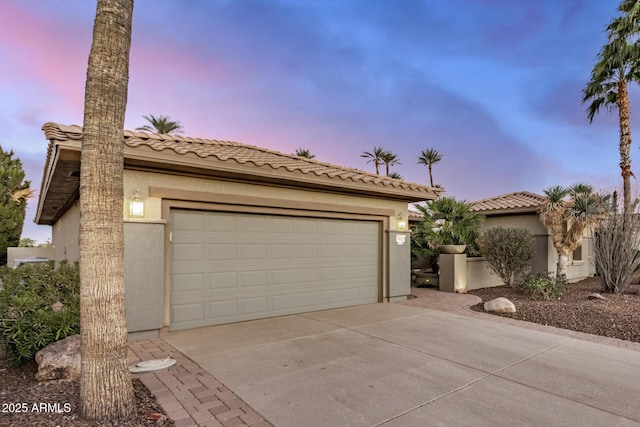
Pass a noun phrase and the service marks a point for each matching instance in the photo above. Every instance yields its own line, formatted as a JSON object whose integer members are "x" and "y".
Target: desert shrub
{"x": 39, "y": 305}
{"x": 508, "y": 251}
{"x": 544, "y": 286}
{"x": 615, "y": 249}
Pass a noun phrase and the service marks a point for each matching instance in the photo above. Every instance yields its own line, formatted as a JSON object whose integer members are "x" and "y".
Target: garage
{"x": 229, "y": 266}
{"x": 219, "y": 232}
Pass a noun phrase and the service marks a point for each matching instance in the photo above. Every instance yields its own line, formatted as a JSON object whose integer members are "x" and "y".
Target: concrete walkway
{"x": 428, "y": 361}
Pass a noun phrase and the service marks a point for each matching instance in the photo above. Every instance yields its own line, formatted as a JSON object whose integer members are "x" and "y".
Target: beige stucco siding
{"x": 65, "y": 235}
{"x": 153, "y": 207}
{"x": 528, "y": 221}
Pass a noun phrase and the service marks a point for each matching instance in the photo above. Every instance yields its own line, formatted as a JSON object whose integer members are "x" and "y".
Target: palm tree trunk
{"x": 624, "y": 112}
{"x": 106, "y": 391}
{"x": 563, "y": 261}
{"x": 430, "y": 175}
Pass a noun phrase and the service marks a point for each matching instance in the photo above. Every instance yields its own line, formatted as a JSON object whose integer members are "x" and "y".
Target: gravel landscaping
{"x": 616, "y": 316}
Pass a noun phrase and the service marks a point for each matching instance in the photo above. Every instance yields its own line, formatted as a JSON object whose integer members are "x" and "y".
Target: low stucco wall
{"x": 15, "y": 253}
{"x": 479, "y": 275}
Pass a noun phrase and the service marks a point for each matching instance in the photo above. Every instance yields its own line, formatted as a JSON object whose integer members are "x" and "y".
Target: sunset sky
{"x": 494, "y": 85}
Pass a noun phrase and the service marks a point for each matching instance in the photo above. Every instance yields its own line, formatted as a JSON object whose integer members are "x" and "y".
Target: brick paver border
{"x": 189, "y": 394}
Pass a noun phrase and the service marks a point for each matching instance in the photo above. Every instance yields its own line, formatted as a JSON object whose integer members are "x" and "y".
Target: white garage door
{"x": 229, "y": 267}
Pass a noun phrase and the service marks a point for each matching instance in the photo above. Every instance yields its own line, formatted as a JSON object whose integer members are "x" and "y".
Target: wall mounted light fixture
{"x": 401, "y": 223}
{"x": 136, "y": 205}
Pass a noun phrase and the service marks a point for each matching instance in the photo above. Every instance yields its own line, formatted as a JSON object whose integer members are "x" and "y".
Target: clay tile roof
{"x": 237, "y": 153}
{"x": 522, "y": 201}
{"x": 415, "y": 215}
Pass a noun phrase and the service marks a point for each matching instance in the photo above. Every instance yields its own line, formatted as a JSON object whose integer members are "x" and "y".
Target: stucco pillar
{"x": 453, "y": 272}
{"x": 399, "y": 266}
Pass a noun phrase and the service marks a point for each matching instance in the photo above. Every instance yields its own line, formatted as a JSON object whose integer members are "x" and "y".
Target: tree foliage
{"x": 567, "y": 213}
{"x": 162, "y": 125}
{"x": 39, "y": 305}
{"x": 429, "y": 158}
{"x": 508, "y": 251}
{"x": 14, "y": 192}
{"x": 618, "y": 64}
{"x": 303, "y": 152}
{"x": 448, "y": 221}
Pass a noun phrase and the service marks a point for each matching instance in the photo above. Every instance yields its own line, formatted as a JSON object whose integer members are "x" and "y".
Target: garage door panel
{"x": 223, "y": 310}
{"x": 253, "y": 251}
{"x": 222, "y": 222}
{"x": 222, "y": 251}
{"x": 285, "y": 302}
{"x": 185, "y": 313}
{"x": 253, "y": 279}
{"x": 188, "y": 252}
{"x": 248, "y": 266}
{"x": 283, "y": 251}
{"x": 221, "y": 280}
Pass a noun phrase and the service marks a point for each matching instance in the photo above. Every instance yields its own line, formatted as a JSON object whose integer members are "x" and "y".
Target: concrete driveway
{"x": 398, "y": 365}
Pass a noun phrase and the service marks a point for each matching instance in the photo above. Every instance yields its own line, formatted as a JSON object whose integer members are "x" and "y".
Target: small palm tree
{"x": 618, "y": 64}
{"x": 162, "y": 125}
{"x": 394, "y": 175}
{"x": 389, "y": 159}
{"x": 567, "y": 213}
{"x": 374, "y": 157}
{"x": 303, "y": 152}
{"x": 429, "y": 158}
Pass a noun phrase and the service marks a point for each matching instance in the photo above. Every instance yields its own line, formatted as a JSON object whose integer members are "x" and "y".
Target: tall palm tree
{"x": 161, "y": 124}
{"x": 303, "y": 152}
{"x": 374, "y": 157}
{"x": 618, "y": 64}
{"x": 567, "y": 213}
{"x": 429, "y": 158}
{"x": 389, "y": 159}
{"x": 106, "y": 391}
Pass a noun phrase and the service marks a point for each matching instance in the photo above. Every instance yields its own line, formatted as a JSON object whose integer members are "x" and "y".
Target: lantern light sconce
{"x": 136, "y": 205}
{"x": 401, "y": 223}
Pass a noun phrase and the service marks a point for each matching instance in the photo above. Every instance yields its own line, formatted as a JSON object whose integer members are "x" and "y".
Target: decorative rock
{"x": 500, "y": 305}
{"x": 60, "y": 360}
{"x": 596, "y": 295}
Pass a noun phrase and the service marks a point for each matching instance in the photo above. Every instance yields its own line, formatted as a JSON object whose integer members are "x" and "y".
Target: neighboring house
{"x": 232, "y": 232}
{"x": 521, "y": 210}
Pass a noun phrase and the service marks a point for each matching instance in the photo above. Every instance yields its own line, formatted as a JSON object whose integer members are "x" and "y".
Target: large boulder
{"x": 499, "y": 305}
{"x": 60, "y": 360}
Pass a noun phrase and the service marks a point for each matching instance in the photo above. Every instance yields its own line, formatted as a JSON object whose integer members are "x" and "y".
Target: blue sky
{"x": 494, "y": 85}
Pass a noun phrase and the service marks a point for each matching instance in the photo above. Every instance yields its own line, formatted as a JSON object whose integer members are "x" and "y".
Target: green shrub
{"x": 544, "y": 286}
{"x": 39, "y": 305}
{"x": 508, "y": 251}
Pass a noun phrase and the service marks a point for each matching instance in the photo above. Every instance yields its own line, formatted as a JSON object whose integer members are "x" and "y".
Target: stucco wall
{"x": 14, "y": 253}
{"x": 479, "y": 275}
{"x": 143, "y": 180}
{"x": 65, "y": 234}
{"x": 399, "y": 265}
{"x": 143, "y": 275}
{"x": 546, "y": 258}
